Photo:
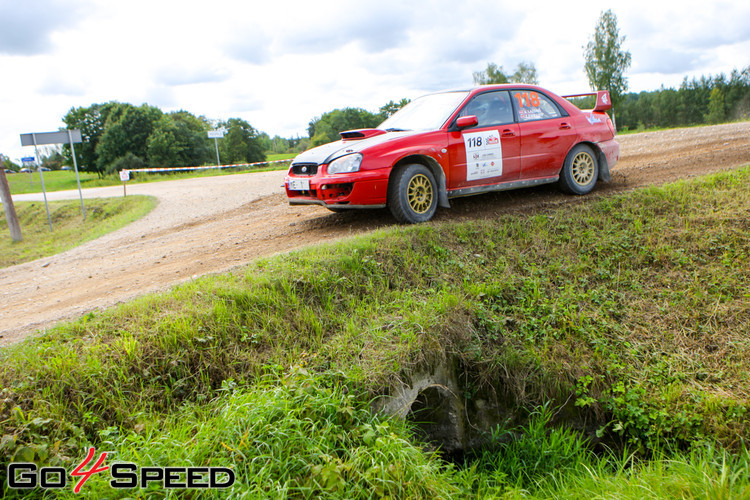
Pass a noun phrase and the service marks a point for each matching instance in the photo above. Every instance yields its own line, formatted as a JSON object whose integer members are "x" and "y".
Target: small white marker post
{"x": 124, "y": 177}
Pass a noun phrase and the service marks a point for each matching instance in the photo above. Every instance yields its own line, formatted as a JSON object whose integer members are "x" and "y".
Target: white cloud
{"x": 279, "y": 64}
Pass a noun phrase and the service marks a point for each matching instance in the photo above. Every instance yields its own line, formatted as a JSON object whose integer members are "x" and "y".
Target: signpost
{"x": 10, "y": 210}
{"x": 216, "y": 135}
{"x": 124, "y": 177}
{"x": 60, "y": 137}
{"x": 29, "y": 162}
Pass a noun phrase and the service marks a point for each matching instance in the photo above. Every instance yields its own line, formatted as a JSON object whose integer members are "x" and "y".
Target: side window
{"x": 534, "y": 106}
{"x": 490, "y": 108}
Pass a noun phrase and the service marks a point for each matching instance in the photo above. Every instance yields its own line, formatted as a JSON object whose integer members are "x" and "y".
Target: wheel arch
{"x": 435, "y": 168}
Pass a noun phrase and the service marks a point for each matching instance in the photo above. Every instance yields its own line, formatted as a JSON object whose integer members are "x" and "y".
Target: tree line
{"x": 119, "y": 136}
{"x": 704, "y": 100}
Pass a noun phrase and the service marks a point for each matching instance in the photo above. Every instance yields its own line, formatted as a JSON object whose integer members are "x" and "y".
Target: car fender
{"x": 437, "y": 170}
{"x": 604, "y": 174}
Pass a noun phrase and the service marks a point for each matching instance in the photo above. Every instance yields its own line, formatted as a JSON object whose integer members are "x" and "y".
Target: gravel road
{"x": 212, "y": 224}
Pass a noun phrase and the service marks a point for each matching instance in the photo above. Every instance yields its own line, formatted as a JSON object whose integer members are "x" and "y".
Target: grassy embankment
{"x": 69, "y": 228}
{"x": 21, "y": 183}
{"x": 632, "y": 310}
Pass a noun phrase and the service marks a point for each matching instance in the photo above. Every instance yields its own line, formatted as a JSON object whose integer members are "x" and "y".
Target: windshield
{"x": 425, "y": 113}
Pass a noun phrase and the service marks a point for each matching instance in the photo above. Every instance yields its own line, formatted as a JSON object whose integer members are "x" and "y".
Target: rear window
{"x": 532, "y": 106}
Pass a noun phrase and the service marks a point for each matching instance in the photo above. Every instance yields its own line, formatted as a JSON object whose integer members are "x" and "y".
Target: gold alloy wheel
{"x": 583, "y": 168}
{"x": 420, "y": 193}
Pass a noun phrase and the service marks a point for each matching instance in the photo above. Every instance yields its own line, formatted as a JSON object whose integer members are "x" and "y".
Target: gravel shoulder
{"x": 213, "y": 224}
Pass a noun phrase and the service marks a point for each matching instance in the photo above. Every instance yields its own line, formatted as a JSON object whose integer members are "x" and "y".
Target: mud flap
{"x": 604, "y": 174}
{"x": 442, "y": 190}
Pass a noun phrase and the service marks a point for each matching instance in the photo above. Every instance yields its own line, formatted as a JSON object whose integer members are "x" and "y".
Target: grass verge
{"x": 630, "y": 311}
{"x": 69, "y": 228}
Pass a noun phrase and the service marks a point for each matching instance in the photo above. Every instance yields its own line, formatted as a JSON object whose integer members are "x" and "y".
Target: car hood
{"x": 329, "y": 152}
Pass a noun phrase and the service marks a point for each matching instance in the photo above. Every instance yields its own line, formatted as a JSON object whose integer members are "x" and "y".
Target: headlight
{"x": 345, "y": 164}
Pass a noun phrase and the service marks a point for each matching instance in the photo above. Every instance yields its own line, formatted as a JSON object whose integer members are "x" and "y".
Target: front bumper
{"x": 365, "y": 189}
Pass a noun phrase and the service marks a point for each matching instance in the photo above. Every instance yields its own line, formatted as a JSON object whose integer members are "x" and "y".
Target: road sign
{"x": 28, "y": 159}
{"x": 215, "y": 134}
{"x": 61, "y": 137}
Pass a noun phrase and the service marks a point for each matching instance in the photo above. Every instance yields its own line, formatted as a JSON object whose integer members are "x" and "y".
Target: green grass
{"x": 69, "y": 228}
{"x": 21, "y": 183}
{"x": 626, "y": 316}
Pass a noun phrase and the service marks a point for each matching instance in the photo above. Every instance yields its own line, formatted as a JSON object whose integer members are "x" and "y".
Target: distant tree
{"x": 265, "y": 141}
{"x": 391, "y": 107}
{"x": 91, "y": 122}
{"x": 525, "y": 73}
{"x": 128, "y": 161}
{"x": 716, "y": 111}
{"x": 326, "y": 128}
{"x": 52, "y": 160}
{"x": 126, "y": 130}
{"x": 492, "y": 75}
{"x": 279, "y": 144}
{"x": 179, "y": 139}
{"x": 241, "y": 144}
{"x": 606, "y": 62}
{"x": 8, "y": 163}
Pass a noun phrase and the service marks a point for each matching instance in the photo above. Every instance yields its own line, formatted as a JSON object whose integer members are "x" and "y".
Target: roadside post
{"x": 75, "y": 166}
{"x": 10, "y": 210}
{"x": 28, "y": 162}
{"x": 41, "y": 177}
{"x": 216, "y": 135}
{"x": 124, "y": 177}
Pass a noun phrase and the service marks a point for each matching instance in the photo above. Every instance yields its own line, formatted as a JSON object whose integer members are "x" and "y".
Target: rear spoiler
{"x": 603, "y": 102}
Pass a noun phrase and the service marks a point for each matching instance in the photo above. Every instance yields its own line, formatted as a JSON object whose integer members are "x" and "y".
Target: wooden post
{"x": 10, "y": 210}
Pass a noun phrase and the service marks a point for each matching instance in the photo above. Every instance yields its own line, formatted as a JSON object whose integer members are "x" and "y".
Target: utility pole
{"x": 10, "y": 210}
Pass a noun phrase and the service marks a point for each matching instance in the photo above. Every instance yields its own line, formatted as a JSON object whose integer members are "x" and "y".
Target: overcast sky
{"x": 278, "y": 64}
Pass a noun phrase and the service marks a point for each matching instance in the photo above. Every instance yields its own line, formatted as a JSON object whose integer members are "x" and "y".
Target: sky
{"x": 279, "y": 64}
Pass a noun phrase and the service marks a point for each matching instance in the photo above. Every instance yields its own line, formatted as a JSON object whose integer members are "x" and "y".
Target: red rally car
{"x": 459, "y": 143}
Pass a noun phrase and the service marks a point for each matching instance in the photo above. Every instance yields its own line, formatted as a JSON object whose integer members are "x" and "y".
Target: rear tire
{"x": 580, "y": 171}
{"x": 412, "y": 194}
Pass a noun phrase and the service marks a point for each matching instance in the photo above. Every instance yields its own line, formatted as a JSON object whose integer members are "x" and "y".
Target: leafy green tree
{"x": 525, "y": 73}
{"x": 8, "y": 163}
{"x": 91, "y": 122}
{"x": 241, "y": 143}
{"x": 179, "y": 139}
{"x": 326, "y": 128}
{"x": 128, "y": 161}
{"x": 606, "y": 62}
{"x": 494, "y": 74}
{"x": 391, "y": 107}
{"x": 279, "y": 144}
{"x": 126, "y": 130}
{"x": 716, "y": 110}
{"x": 53, "y": 160}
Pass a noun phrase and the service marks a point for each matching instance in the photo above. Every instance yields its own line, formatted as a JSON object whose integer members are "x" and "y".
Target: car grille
{"x": 305, "y": 168}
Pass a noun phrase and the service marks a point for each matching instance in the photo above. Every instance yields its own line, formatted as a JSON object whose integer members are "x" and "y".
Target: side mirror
{"x": 467, "y": 121}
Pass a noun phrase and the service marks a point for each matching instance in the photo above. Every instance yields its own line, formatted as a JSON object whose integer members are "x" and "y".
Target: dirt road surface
{"x": 211, "y": 225}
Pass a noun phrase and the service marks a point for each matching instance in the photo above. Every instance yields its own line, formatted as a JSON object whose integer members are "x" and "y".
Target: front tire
{"x": 412, "y": 194}
{"x": 580, "y": 171}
